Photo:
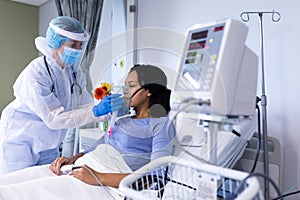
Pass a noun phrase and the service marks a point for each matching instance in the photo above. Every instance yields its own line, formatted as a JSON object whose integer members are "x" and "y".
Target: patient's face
{"x": 132, "y": 84}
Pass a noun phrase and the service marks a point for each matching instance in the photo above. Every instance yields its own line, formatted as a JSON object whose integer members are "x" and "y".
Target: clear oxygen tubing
{"x": 114, "y": 117}
{"x": 106, "y": 189}
{"x": 189, "y": 102}
{"x": 111, "y": 124}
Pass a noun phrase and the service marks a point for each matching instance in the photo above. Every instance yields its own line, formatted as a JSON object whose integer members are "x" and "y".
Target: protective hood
{"x": 42, "y": 46}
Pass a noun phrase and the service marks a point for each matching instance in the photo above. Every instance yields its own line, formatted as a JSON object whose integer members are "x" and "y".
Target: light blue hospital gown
{"x": 140, "y": 140}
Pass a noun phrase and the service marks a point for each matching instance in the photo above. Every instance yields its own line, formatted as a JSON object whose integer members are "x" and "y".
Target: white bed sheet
{"x": 40, "y": 183}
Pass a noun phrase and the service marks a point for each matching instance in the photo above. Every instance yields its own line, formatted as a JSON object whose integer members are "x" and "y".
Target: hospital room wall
{"x": 281, "y": 47}
{"x": 19, "y": 26}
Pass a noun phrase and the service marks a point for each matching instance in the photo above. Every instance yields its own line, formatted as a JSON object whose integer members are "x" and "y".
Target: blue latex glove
{"x": 109, "y": 104}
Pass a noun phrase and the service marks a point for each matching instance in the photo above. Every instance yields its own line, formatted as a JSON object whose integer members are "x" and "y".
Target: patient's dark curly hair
{"x": 154, "y": 79}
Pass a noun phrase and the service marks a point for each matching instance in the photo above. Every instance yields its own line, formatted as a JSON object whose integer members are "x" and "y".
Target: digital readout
{"x": 199, "y": 35}
{"x": 197, "y": 45}
{"x": 190, "y": 61}
{"x": 219, "y": 28}
{"x": 191, "y": 54}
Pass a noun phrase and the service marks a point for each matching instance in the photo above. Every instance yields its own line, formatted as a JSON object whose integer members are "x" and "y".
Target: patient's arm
{"x": 85, "y": 174}
{"x": 60, "y": 161}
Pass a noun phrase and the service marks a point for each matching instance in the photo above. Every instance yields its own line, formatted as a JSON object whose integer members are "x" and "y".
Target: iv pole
{"x": 245, "y": 17}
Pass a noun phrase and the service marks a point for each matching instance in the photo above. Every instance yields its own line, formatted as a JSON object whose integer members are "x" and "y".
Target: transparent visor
{"x": 74, "y": 36}
{"x": 74, "y": 48}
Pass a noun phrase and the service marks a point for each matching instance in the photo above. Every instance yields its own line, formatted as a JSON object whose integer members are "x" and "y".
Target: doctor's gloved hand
{"x": 108, "y": 104}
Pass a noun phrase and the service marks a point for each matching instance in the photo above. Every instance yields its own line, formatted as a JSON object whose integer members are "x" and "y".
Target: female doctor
{"x": 33, "y": 126}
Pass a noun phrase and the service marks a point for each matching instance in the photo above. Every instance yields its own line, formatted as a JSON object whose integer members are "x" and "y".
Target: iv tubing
{"x": 112, "y": 123}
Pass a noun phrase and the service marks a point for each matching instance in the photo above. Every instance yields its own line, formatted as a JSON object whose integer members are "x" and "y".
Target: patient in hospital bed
{"x": 134, "y": 142}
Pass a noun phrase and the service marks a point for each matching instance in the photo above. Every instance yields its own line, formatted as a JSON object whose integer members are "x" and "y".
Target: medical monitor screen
{"x": 216, "y": 66}
{"x": 199, "y": 59}
{"x": 199, "y": 35}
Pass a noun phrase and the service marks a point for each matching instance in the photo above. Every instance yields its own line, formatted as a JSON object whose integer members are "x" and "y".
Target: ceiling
{"x": 32, "y": 2}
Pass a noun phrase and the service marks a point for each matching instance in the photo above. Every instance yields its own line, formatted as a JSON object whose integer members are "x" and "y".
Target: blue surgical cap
{"x": 55, "y": 40}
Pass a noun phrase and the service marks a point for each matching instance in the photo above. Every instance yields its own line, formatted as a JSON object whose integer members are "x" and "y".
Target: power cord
{"x": 289, "y": 191}
{"x": 240, "y": 188}
{"x": 288, "y": 194}
{"x": 259, "y": 137}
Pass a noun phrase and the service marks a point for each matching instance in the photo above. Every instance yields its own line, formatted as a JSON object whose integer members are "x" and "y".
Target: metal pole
{"x": 263, "y": 95}
{"x": 264, "y": 113}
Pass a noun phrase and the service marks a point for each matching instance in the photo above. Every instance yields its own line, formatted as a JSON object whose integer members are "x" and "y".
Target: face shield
{"x": 73, "y": 44}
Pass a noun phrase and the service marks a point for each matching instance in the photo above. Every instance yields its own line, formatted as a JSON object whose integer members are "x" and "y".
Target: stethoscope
{"x": 73, "y": 86}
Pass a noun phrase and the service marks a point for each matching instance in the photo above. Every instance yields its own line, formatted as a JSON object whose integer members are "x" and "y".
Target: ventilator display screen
{"x": 199, "y": 35}
{"x": 197, "y": 45}
{"x": 219, "y": 28}
{"x": 190, "y": 54}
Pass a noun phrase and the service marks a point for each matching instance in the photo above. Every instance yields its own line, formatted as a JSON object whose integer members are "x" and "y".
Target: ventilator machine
{"x": 217, "y": 67}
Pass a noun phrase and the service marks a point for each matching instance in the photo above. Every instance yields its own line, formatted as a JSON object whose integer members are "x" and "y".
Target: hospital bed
{"x": 191, "y": 138}
{"x": 184, "y": 168}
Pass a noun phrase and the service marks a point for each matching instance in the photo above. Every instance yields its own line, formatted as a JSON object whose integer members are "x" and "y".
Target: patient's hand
{"x": 60, "y": 161}
{"x": 92, "y": 177}
{"x": 87, "y": 175}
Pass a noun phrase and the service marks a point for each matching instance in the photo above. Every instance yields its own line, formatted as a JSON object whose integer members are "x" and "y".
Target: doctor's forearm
{"x": 59, "y": 119}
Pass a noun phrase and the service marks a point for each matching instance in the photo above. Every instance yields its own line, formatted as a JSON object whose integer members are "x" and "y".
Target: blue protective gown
{"x": 141, "y": 140}
{"x": 34, "y": 125}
